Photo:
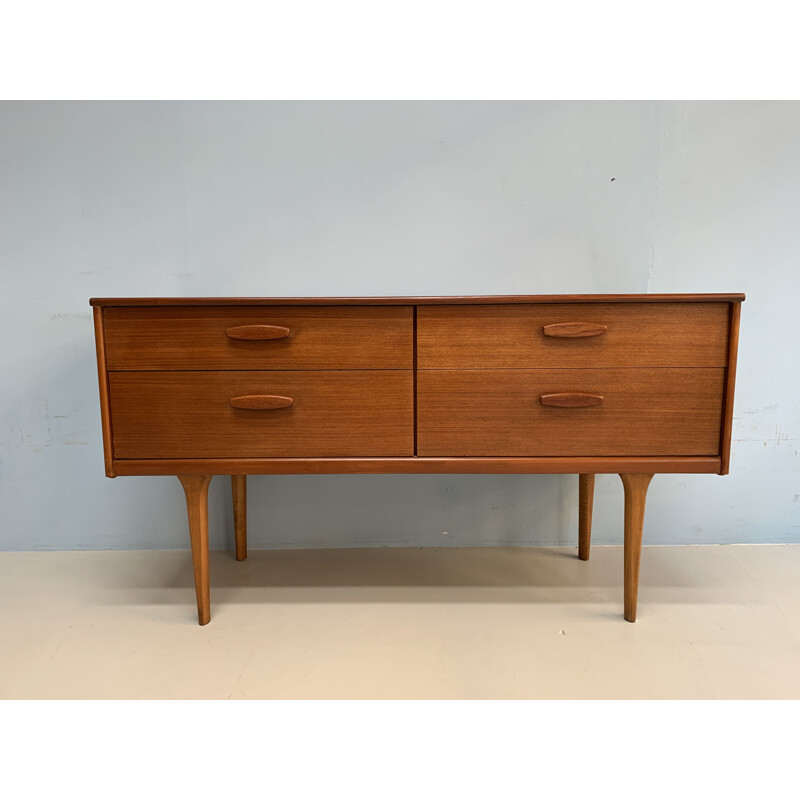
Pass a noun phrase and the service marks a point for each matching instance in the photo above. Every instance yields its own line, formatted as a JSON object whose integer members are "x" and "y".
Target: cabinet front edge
{"x": 418, "y": 465}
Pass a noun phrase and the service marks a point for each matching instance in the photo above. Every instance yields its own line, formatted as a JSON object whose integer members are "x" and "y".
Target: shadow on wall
{"x": 411, "y": 510}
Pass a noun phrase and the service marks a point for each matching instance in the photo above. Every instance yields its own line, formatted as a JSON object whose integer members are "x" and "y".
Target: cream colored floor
{"x": 714, "y": 622}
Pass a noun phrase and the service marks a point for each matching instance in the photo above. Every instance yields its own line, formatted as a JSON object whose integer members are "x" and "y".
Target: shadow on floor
{"x": 385, "y": 575}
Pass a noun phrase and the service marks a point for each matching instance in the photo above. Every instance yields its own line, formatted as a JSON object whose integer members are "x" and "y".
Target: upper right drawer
{"x": 572, "y": 335}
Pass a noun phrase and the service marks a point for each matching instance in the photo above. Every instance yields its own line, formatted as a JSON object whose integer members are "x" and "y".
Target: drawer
{"x": 330, "y": 337}
{"x": 621, "y": 335}
{"x": 190, "y": 415}
{"x": 644, "y": 412}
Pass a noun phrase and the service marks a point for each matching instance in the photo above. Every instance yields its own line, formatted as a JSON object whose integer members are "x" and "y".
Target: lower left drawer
{"x": 333, "y": 413}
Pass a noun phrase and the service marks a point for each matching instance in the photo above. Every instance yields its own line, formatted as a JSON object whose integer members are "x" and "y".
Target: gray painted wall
{"x": 388, "y": 198}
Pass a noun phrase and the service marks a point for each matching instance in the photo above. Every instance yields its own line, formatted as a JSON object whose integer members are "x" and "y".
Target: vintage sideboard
{"x": 584, "y": 384}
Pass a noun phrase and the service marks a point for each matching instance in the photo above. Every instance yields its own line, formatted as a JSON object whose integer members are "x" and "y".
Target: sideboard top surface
{"x": 736, "y": 297}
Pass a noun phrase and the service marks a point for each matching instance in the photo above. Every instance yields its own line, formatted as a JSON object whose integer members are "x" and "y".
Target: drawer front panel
{"x": 279, "y": 414}
{"x": 578, "y": 335}
{"x": 264, "y": 337}
{"x": 641, "y": 412}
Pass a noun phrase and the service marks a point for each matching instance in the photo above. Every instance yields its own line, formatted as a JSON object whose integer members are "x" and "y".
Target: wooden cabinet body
{"x": 632, "y": 384}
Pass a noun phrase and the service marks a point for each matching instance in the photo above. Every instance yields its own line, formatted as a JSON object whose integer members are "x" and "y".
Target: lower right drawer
{"x": 585, "y": 412}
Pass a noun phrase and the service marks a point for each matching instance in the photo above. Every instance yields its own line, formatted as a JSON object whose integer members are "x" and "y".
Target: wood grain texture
{"x": 635, "y": 496}
{"x": 412, "y": 466}
{"x": 511, "y": 336}
{"x": 320, "y": 338}
{"x": 730, "y": 385}
{"x": 239, "y": 493}
{"x": 419, "y": 300}
{"x": 574, "y": 330}
{"x": 196, "y": 489}
{"x": 646, "y": 412}
{"x": 571, "y": 400}
{"x": 189, "y": 415}
{"x": 102, "y": 382}
{"x": 585, "y": 504}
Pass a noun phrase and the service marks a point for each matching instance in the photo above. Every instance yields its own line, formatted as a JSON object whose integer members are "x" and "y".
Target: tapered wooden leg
{"x": 635, "y": 496}
{"x": 196, "y": 488}
{"x": 585, "y": 502}
{"x": 239, "y": 489}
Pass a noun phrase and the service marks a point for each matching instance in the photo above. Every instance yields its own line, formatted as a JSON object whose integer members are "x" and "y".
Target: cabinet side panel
{"x": 730, "y": 384}
{"x": 102, "y": 379}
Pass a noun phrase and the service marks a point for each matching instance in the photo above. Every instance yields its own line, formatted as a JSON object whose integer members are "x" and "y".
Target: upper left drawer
{"x": 221, "y": 337}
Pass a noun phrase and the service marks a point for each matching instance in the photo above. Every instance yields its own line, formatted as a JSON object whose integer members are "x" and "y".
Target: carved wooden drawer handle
{"x": 571, "y": 400}
{"x": 574, "y": 330}
{"x": 257, "y": 332}
{"x": 261, "y": 402}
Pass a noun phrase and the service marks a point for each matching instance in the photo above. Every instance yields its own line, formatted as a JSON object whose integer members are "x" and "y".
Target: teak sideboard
{"x": 585, "y": 384}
